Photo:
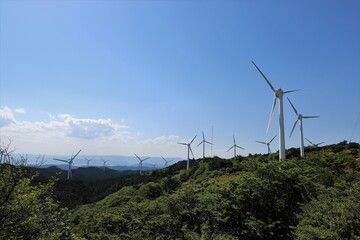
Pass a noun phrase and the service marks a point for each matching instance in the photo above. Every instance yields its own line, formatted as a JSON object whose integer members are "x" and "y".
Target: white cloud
{"x": 64, "y": 133}
{"x": 6, "y": 117}
{"x": 89, "y": 128}
{"x": 61, "y": 132}
{"x": 19, "y": 110}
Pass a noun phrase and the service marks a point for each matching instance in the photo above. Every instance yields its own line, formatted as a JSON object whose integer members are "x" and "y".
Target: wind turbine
{"x": 203, "y": 142}
{"x": 70, "y": 162}
{"x": 189, "y": 150}
{"x": 140, "y": 162}
{"x": 166, "y": 161}
{"x": 104, "y": 163}
{"x": 314, "y": 144}
{"x": 234, "y": 147}
{"x": 267, "y": 143}
{"x": 278, "y": 94}
{"x": 300, "y": 118}
{"x": 88, "y": 161}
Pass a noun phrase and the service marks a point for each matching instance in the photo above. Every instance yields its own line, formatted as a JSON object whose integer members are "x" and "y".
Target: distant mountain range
{"x": 114, "y": 161}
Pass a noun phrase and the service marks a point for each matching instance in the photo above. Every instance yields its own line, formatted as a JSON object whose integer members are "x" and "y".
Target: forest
{"x": 252, "y": 197}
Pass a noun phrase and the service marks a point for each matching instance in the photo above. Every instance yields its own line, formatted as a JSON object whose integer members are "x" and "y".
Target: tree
{"x": 28, "y": 210}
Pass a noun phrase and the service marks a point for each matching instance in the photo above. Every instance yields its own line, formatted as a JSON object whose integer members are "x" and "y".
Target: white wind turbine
{"x": 278, "y": 94}
{"x": 314, "y": 144}
{"x": 70, "y": 162}
{"x": 234, "y": 147}
{"x": 140, "y": 162}
{"x": 166, "y": 161}
{"x": 300, "y": 118}
{"x": 203, "y": 142}
{"x": 267, "y": 143}
{"x": 87, "y": 161}
{"x": 189, "y": 150}
{"x": 104, "y": 163}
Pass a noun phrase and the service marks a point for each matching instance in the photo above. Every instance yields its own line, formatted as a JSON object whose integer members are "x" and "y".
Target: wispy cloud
{"x": 160, "y": 140}
{"x": 6, "y": 117}
{"x": 19, "y": 110}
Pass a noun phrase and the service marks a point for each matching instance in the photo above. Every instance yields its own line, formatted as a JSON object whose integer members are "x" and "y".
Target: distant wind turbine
{"x": 88, "y": 161}
{"x": 189, "y": 150}
{"x": 267, "y": 143}
{"x": 278, "y": 94}
{"x": 140, "y": 162}
{"x": 104, "y": 163}
{"x": 70, "y": 162}
{"x": 314, "y": 144}
{"x": 166, "y": 161}
{"x": 203, "y": 142}
{"x": 299, "y": 119}
{"x": 234, "y": 147}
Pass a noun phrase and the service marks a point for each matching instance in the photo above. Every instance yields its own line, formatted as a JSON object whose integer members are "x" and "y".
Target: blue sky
{"x": 118, "y": 77}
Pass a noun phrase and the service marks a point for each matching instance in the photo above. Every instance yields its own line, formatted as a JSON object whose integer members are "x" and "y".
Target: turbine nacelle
{"x": 279, "y": 93}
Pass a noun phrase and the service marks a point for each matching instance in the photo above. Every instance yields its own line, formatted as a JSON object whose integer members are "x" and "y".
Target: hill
{"x": 253, "y": 197}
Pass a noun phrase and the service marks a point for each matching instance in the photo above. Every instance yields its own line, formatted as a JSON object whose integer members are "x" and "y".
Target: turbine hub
{"x": 279, "y": 93}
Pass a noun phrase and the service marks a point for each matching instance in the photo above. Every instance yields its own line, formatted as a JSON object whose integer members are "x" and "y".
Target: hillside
{"x": 254, "y": 197}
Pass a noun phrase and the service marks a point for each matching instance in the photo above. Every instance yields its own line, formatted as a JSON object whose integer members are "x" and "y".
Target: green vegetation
{"x": 254, "y": 197}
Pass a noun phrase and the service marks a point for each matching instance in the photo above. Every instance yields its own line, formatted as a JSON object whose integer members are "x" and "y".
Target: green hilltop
{"x": 252, "y": 197}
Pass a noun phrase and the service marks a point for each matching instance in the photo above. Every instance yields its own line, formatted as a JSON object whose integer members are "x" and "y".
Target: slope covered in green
{"x": 254, "y": 197}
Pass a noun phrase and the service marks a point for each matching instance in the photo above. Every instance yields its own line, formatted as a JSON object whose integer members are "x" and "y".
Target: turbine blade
{"x": 320, "y": 143}
{"x": 292, "y": 91}
{"x": 199, "y": 144}
{"x": 183, "y": 143}
{"x": 293, "y": 107}
{"x": 203, "y": 135}
{"x": 230, "y": 148}
{"x": 271, "y": 114}
{"x": 271, "y": 86}
{"x": 137, "y": 156}
{"x": 193, "y": 139}
{"x": 145, "y": 158}
{"x": 163, "y": 158}
{"x": 294, "y": 127}
{"x": 240, "y": 147}
{"x": 191, "y": 151}
{"x": 309, "y": 141}
{"x": 60, "y": 160}
{"x": 272, "y": 139}
{"x": 76, "y": 155}
{"x": 261, "y": 142}
{"x": 208, "y": 142}
{"x": 311, "y": 116}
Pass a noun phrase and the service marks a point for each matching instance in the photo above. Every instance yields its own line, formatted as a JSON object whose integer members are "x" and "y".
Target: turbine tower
{"x": 104, "y": 163}
{"x": 166, "y": 161}
{"x": 278, "y": 94}
{"x": 140, "y": 162}
{"x": 234, "y": 147}
{"x": 88, "y": 161}
{"x": 314, "y": 144}
{"x": 299, "y": 119}
{"x": 70, "y": 162}
{"x": 267, "y": 143}
{"x": 189, "y": 150}
{"x": 203, "y": 142}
